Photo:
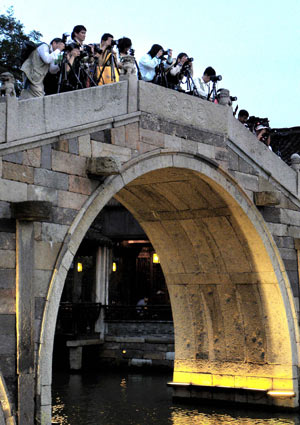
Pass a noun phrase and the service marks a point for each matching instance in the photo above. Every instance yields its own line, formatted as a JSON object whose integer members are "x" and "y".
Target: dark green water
{"x": 123, "y": 398}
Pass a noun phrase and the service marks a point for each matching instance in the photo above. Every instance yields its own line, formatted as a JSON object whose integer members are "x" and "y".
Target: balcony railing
{"x": 75, "y": 319}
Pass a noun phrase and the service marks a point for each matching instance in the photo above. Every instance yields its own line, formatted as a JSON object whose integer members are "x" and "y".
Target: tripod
{"x": 213, "y": 93}
{"x": 110, "y": 61}
{"x": 63, "y": 80}
{"x": 160, "y": 77}
{"x": 190, "y": 85}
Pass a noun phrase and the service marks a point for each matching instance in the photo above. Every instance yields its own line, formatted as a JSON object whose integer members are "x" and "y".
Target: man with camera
{"x": 43, "y": 59}
{"x": 203, "y": 84}
{"x": 107, "y": 71}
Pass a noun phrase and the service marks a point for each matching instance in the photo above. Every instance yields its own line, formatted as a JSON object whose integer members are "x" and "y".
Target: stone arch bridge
{"x": 221, "y": 210}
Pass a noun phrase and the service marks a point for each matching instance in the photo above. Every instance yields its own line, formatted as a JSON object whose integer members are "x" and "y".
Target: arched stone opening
{"x": 235, "y": 323}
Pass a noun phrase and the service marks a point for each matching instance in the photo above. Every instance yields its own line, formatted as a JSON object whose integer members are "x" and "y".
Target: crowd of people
{"x": 71, "y": 65}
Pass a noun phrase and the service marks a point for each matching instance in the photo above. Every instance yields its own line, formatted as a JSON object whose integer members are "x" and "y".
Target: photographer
{"x": 263, "y": 134}
{"x": 203, "y": 84}
{"x": 77, "y": 59}
{"x": 36, "y": 66}
{"x": 107, "y": 71}
{"x": 177, "y": 71}
{"x": 149, "y": 62}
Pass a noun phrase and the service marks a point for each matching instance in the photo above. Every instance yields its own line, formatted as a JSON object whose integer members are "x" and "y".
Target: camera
{"x": 131, "y": 52}
{"x": 190, "y": 59}
{"x": 64, "y": 37}
{"x": 215, "y": 78}
{"x": 233, "y": 98}
{"x": 97, "y": 49}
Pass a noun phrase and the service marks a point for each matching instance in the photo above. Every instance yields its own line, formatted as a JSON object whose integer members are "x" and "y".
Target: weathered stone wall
{"x": 46, "y": 144}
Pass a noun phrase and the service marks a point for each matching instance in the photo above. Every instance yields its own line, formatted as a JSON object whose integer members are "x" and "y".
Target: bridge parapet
{"x": 36, "y": 122}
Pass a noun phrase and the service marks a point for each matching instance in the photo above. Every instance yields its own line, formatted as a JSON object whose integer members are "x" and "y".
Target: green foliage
{"x": 12, "y": 36}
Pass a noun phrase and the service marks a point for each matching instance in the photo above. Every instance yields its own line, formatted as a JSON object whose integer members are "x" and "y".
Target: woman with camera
{"x": 181, "y": 67}
{"x": 153, "y": 59}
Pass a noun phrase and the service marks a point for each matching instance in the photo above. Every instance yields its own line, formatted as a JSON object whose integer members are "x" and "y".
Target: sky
{"x": 253, "y": 44}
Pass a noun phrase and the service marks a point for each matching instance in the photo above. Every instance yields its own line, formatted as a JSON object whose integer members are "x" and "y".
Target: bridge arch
{"x": 233, "y": 310}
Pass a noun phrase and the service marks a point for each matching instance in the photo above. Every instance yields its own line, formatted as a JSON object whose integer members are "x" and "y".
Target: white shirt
{"x": 202, "y": 87}
{"x": 49, "y": 56}
{"x": 147, "y": 66}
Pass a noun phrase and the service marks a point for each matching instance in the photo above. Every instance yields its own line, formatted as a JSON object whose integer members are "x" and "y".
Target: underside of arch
{"x": 231, "y": 323}
{"x": 234, "y": 317}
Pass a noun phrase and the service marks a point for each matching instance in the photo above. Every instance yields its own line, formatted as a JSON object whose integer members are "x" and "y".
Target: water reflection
{"x": 139, "y": 399}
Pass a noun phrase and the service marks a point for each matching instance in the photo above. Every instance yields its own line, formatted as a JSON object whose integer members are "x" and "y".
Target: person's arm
{"x": 45, "y": 55}
{"x": 148, "y": 62}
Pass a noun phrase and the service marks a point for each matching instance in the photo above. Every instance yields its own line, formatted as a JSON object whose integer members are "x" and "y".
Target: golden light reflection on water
{"x": 194, "y": 417}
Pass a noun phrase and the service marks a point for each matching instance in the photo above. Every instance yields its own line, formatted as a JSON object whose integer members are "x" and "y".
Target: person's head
{"x": 56, "y": 43}
{"x": 154, "y": 50}
{"x": 182, "y": 58}
{"x": 79, "y": 33}
{"x": 243, "y": 116}
{"x": 124, "y": 44}
{"x": 106, "y": 40}
{"x": 208, "y": 73}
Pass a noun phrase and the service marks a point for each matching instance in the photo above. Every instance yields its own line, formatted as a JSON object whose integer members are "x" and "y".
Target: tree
{"x": 12, "y": 36}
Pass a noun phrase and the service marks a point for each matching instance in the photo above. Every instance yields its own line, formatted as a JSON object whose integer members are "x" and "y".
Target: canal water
{"x": 130, "y": 398}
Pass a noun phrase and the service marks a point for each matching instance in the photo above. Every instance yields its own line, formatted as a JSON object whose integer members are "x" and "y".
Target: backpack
{"x": 27, "y": 48}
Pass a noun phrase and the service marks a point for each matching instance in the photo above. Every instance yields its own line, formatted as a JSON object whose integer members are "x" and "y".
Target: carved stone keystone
{"x": 102, "y": 167}
{"x": 31, "y": 210}
{"x": 263, "y": 199}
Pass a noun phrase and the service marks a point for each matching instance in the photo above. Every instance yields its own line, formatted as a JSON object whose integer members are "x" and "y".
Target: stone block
{"x": 42, "y": 193}
{"x": 39, "y": 305}
{"x": 26, "y": 397}
{"x": 84, "y": 146}
{"x": 71, "y": 200}
{"x": 121, "y": 153}
{"x": 68, "y": 163}
{"x": 73, "y": 146}
{"x": 245, "y": 167}
{"x": 46, "y": 254}
{"x": 7, "y": 241}
{"x": 63, "y": 215}
{"x": 80, "y": 185}
{"x": 181, "y": 108}
{"x": 118, "y": 136}
{"x": 152, "y": 137}
{"x": 32, "y": 157}
{"x": 46, "y": 157}
{"x": 53, "y": 232}
{"x": 13, "y": 191}
{"x": 233, "y": 160}
{"x": 51, "y": 179}
{"x": 4, "y": 209}
{"x": 41, "y": 282}
{"x": 93, "y": 105}
{"x": 132, "y": 136}
{"x": 8, "y": 365}
{"x": 288, "y": 254}
{"x": 7, "y": 259}
{"x": 7, "y": 345}
{"x": 265, "y": 198}
{"x": 247, "y": 181}
{"x": 31, "y": 210}
{"x": 62, "y": 145}
{"x": 16, "y": 157}
{"x": 7, "y": 278}
{"x": 103, "y": 166}
{"x": 21, "y": 173}
{"x": 271, "y": 214}
{"x": 7, "y": 324}
{"x": 279, "y": 229}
